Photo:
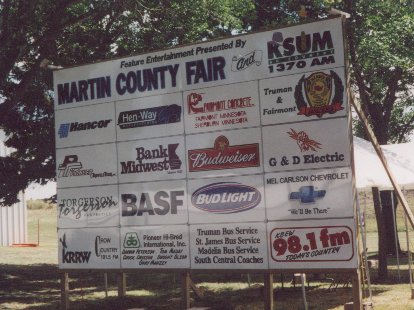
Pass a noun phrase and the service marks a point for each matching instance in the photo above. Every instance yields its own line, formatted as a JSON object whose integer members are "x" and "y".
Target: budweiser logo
{"x": 224, "y": 156}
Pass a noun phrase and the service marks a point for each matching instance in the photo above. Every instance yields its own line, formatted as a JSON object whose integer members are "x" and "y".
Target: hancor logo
{"x": 224, "y": 156}
{"x": 318, "y": 89}
{"x": 73, "y": 257}
{"x": 131, "y": 240}
{"x": 197, "y": 105}
{"x": 303, "y": 141}
{"x": 72, "y": 167}
{"x": 307, "y": 194}
{"x": 153, "y": 160}
{"x": 66, "y": 128}
{"x": 150, "y": 116}
{"x": 226, "y": 197}
{"x": 240, "y": 63}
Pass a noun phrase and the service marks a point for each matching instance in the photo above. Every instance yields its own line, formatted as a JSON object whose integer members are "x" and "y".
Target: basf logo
{"x": 307, "y": 194}
{"x": 226, "y": 197}
{"x": 66, "y": 128}
{"x": 149, "y": 117}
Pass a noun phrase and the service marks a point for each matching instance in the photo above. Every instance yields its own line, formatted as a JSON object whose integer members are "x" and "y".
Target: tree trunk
{"x": 391, "y": 238}
{"x": 382, "y": 248}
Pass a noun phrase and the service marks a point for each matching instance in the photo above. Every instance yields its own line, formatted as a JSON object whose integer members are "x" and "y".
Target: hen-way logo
{"x": 162, "y": 159}
{"x": 131, "y": 240}
{"x": 318, "y": 88}
{"x": 150, "y": 116}
{"x": 226, "y": 197}
{"x": 73, "y": 257}
{"x": 239, "y": 63}
{"x": 196, "y": 105}
{"x": 303, "y": 141}
{"x": 72, "y": 167}
{"x": 224, "y": 156}
{"x": 65, "y": 128}
{"x": 307, "y": 194}
{"x": 86, "y": 206}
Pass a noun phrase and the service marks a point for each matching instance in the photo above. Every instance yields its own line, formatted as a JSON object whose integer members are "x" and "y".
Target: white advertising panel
{"x": 295, "y": 49}
{"x": 224, "y": 153}
{"x": 153, "y": 203}
{"x": 149, "y": 117}
{"x": 86, "y": 166}
{"x": 231, "y": 199}
{"x": 300, "y": 97}
{"x": 310, "y": 194}
{"x": 228, "y": 246}
{"x": 312, "y": 244}
{"x": 85, "y": 125}
{"x": 88, "y": 206}
{"x": 150, "y": 160}
{"x": 222, "y": 107}
{"x": 155, "y": 247}
{"x": 306, "y": 145}
{"x": 88, "y": 248}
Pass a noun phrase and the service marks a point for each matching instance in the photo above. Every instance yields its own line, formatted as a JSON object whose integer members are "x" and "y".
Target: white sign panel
{"x": 150, "y": 160}
{"x": 306, "y": 145}
{"x": 86, "y": 166}
{"x": 149, "y": 117}
{"x": 222, "y": 107}
{"x": 88, "y": 207}
{"x": 88, "y": 248}
{"x": 300, "y": 97}
{"x": 153, "y": 203}
{"x": 310, "y": 194}
{"x": 155, "y": 247}
{"x": 222, "y": 200}
{"x": 224, "y": 153}
{"x": 228, "y": 246}
{"x": 312, "y": 244}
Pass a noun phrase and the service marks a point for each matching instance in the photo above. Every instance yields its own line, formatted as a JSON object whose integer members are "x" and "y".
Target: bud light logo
{"x": 226, "y": 197}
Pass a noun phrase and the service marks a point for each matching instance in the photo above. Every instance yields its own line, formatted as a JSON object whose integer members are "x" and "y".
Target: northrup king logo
{"x": 318, "y": 89}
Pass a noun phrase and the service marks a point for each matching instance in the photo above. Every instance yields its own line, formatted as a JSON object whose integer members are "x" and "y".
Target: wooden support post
{"x": 268, "y": 291}
{"x": 185, "y": 291}
{"x": 121, "y": 284}
{"x": 356, "y": 290}
{"x": 64, "y": 291}
{"x": 106, "y": 284}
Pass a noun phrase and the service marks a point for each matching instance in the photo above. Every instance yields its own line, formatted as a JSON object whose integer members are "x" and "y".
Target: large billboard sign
{"x": 229, "y": 154}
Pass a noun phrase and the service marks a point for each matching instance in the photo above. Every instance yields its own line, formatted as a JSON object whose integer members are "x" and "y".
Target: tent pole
{"x": 395, "y": 235}
{"x": 407, "y": 236}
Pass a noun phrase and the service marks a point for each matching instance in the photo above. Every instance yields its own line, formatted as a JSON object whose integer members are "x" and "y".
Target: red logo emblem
{"x": 303, "y": 141}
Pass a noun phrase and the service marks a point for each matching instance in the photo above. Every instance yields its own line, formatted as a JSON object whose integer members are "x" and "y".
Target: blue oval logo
{"x": 226, "y": 197}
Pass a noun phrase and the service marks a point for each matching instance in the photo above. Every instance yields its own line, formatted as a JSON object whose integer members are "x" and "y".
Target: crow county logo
{"x": 103, "y": 248}
{"x": 307, "y": 194}
{"x": 318, "y": 89}
{"x": 160, "y": 159}
{"x": 88, "y": 207}
{"x": 239, "y": 63}
{"x": 131, "y": 240}
{"x": 72, "y": 167}
{"x": 150, "y": 116}
{"x": 226, "y": 197}
{"x": 66, "y": 128}
{"x": 224, "y": 156}
{"x": 303, "y": 141}
{"x": 73, "y": 257}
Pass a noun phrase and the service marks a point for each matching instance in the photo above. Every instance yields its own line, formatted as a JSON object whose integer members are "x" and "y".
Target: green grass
{"x": 29, "y": 279}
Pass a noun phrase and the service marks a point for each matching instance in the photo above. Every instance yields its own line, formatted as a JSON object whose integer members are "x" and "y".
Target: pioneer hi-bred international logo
{"x": 324, "y": 94}
{"x": 307, "y": 194}
{"x": 66, "y": 128}
{"x": 303, "y": 141}
{"x": 197, "y": 105}
{"x": 224, "y": 156}
{"x": 87, "y": 207}
{"x": 153, "y": 160}
{"x": 72, "y": 167}
{"x": 226, "y": 197}
{"x": 239, "y": 63}
{"x": 73, "y": 257}
{"x": 150, "y": 116}
{"x": 131, "y": 240}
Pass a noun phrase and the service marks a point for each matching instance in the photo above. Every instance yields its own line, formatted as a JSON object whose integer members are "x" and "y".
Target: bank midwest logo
{"x": 307, "y": 194}
{"x": 150, "y": 116}
{"x": 240, "y": 63}
{"x": 303, "y": 141}
{"x": 73, "y": 257}
{"x": 226, "y": 197}
{"x": 72, "y": 167}
{"x": 224, "y": 156}
{"x": 66, "y": 128}
{"x": 324, "y": 94}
